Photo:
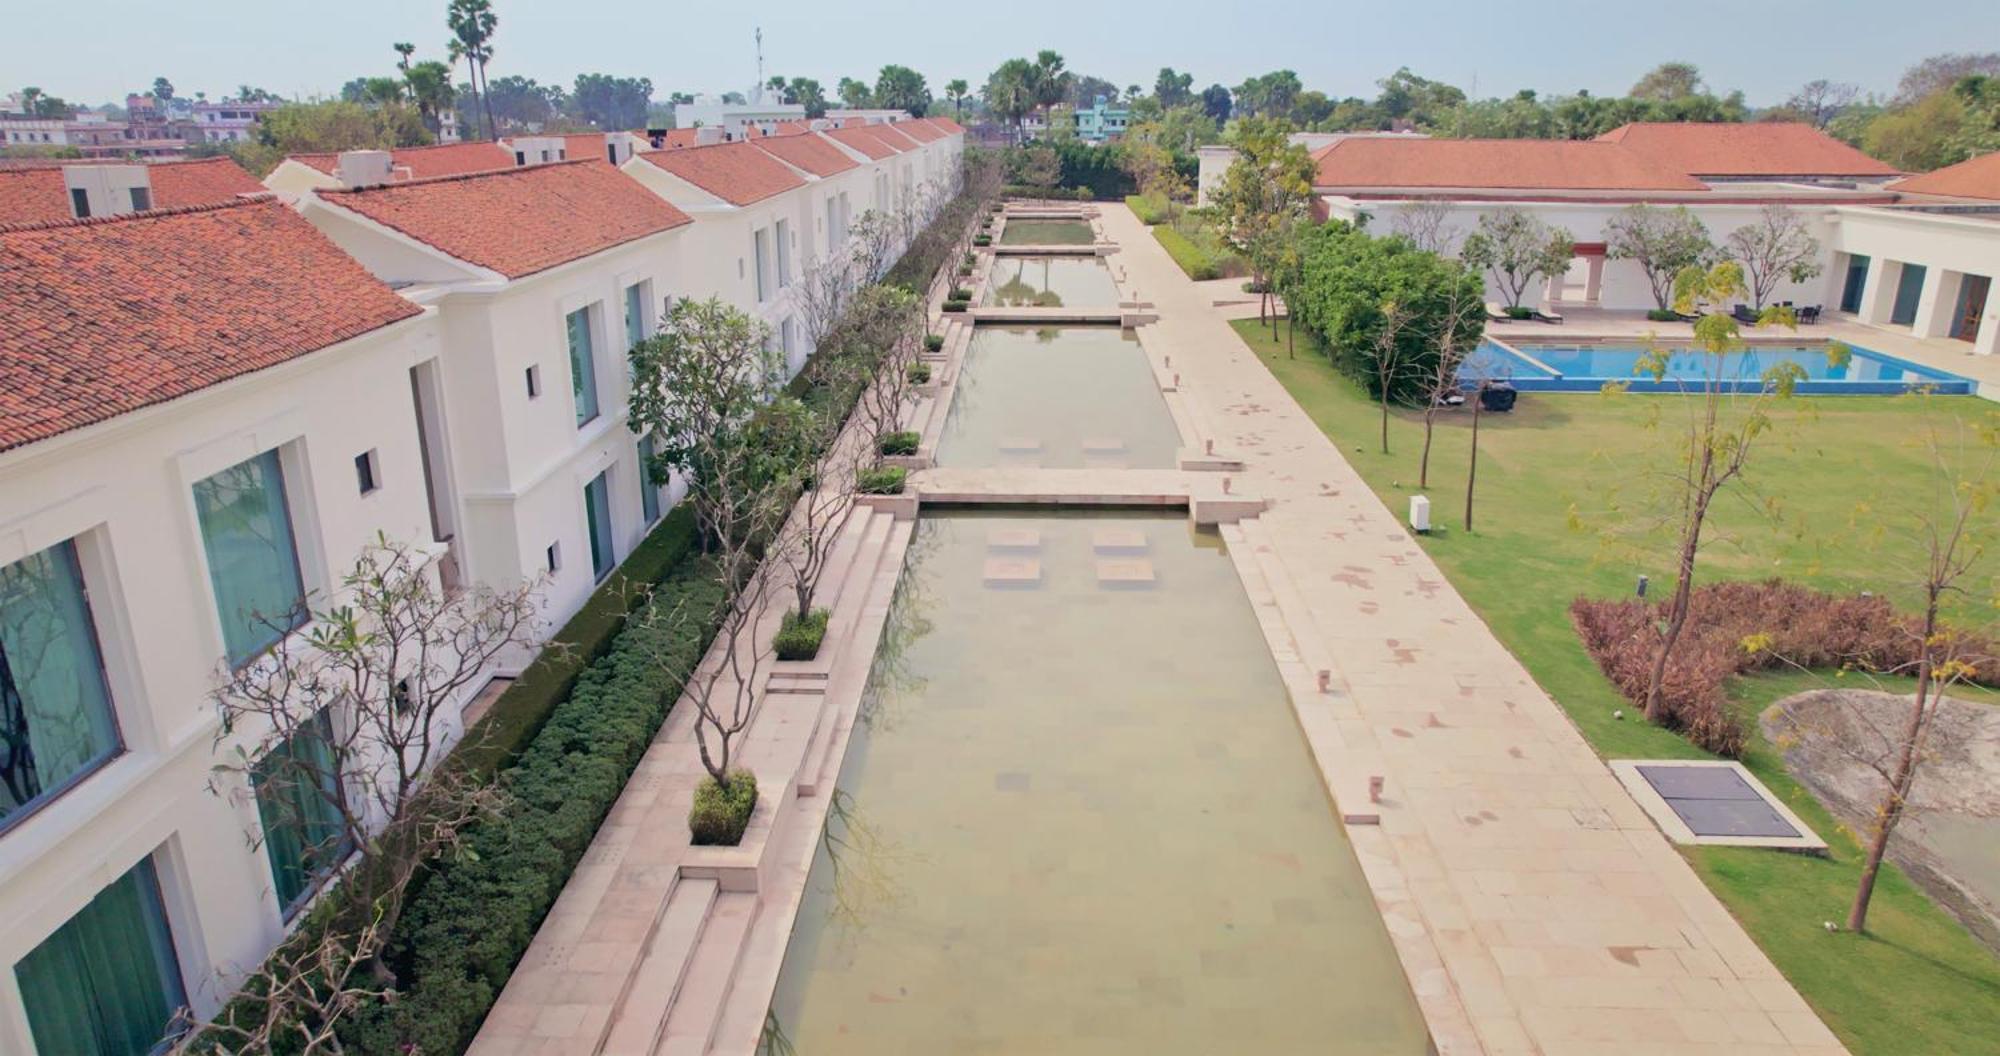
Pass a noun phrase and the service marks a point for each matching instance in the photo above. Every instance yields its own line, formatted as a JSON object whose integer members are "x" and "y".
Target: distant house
{"x": 1102, "y": 122}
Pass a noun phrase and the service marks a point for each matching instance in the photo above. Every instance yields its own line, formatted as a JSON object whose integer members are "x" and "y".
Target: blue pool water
{"x": 1553, "y": 367}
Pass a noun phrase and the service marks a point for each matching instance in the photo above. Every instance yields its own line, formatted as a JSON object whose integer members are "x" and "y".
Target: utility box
{"x": 1420, "y": 514}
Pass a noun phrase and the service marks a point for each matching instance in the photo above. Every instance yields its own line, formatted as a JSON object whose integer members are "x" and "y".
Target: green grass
{"x": 1149, "y": 208}
{"x": 1565, "y": 507}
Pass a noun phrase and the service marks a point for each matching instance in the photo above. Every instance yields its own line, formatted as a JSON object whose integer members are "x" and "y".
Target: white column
{"x": 1593, "y": 284}
{"x": 1878, "y": 294}
{"x": 1934, "y": 306}
{"x": 1988, "y": 340}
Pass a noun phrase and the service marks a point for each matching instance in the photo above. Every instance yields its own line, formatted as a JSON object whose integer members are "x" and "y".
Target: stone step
{"x": 854, "y": 609}
{"x": 825, "y": 754}
{"x": 651, "y": 989}
{"x": 697, "y": 1008}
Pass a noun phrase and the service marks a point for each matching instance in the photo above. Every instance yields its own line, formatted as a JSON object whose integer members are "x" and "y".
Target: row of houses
{"x": 214, "y": 394}
{"x": 1912, "y": 253}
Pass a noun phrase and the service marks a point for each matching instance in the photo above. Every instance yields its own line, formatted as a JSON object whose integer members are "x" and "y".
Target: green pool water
{"x": 1057, "y": 397}
{"x": 1077, "y": 816}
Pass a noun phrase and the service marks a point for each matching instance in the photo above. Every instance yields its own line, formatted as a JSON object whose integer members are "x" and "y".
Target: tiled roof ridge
{"x": 162, "y": 213}
{"x": 460, "y": 176}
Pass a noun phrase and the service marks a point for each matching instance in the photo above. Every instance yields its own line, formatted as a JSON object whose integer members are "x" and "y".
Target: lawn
{"x": 1567, "y": 505}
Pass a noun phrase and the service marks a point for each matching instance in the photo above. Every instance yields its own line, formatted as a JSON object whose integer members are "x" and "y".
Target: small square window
{"x": 555, "y": 556}
{"x": 142, "y": 199}
{"x": 367, "y": 471}
{"x": 534, "y": 382}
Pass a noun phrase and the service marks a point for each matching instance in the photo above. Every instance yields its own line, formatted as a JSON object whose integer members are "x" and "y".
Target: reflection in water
{"x": 1047, "y": 233}
{"x": 1057, "y": 398}
{"x": 1051, "y": 282}
{"x": 1095, "y": 829}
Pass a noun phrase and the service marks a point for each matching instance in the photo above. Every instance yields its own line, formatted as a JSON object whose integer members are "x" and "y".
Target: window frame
{"x": 585, "y": 384}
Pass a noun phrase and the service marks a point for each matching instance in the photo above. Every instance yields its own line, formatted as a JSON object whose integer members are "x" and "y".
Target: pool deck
{"x": 1561, "y": 919}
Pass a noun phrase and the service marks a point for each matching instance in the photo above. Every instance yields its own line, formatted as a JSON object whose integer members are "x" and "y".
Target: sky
{"x": 1764, "y": 47}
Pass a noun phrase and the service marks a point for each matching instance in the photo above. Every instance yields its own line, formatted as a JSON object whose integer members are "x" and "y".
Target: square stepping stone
{"x": 1020, "y": 445}
{"x": 1118, "y": 541}
{"x": 1014, "y": 539}
{"x": 1124, "y": 572}
{"x": 1012, "y": 572}
{"x": 1102, "y": 445}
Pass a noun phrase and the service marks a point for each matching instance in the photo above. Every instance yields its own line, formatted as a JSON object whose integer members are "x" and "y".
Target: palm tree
{"x": 956, "y": 92}
{"x": 430, "y": 88}
{"x": 404, "y": 50}
{"x": 472, "y": 24}
{"x": 1051, "y": 82}
{"x": 1010, "y": 92}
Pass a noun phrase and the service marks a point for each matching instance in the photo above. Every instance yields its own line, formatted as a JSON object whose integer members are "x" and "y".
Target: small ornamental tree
{"x": 1426, "y": 225}
{"x": 1775, "y": 248}
{"x": 1662, "y": 242}
{"x": 1262, "y": 197}
{"x": 1455, "y": 335}
{"x": 1516, "y": 248}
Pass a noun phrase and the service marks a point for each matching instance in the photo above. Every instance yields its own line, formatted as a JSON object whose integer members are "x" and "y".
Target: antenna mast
{"x": 760, "y": 60}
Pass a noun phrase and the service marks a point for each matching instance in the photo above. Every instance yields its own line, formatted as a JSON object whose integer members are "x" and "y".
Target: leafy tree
{"x": 472, "y": 24}
{"x": 1083, "y": 91}
{"x": 1426, "y": 224}
{"x": 1010, "y": 92}
{"x": 1668, "y": 80}
{"x": 403, "y": 53}
{"x": 1216, "y": 102}
{"x": 807, "y": 93}
{"x": 1172, "y": 88}
{"x": 381, "y": 91}
{"x": 902, "y": 88}
{"x": 430, "y": 89}
{"x": 1345, "y": 279}
{"x": 519, "y": 101}
{"x": 1662, "y": 241}
{"x": 1262, "y": 196}
{"x": 329, "y": 127}
{"x": 163, "y": 90}
{"x": 612, "y": 103}
{"x": 1048, "y": 81}
{"x": 1268, "y": 95}
{"x": 854, "y": 95}
{"x": 1516, "y": 247}
{"x": 37, "y": 103}
{"x": 956, "y": 90}
{"x": 1419, "y": 100}
{"x": 1720, "y": 434}
{"x": 1039, "y": 166}
{"x": 1776, "y": 248}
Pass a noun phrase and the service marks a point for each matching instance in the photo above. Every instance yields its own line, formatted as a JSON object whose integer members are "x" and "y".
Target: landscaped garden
{"x": 1569, "y": 504}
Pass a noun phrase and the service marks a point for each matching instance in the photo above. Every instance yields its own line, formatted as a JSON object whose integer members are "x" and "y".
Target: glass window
{"x": 79, "y": 202}
{"x": 649, "y": 490}
{"x": 597, "y": 511}
{"x": 55, "y": 711}
{"x": 106, "y": 983}
{"x": 762, "y": 245}
{"x": 298, "y": 789}
{"x": 635, "y": 314}
{"x": 582, "y": 366}
{"x": 784, "y": 248}
{"x": 253, "y": 562}
{"x": 142, "y": 199}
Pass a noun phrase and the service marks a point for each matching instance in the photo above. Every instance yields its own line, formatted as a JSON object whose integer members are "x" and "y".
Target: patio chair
{"x": 1743, "y": 313}
{"x": 1550, "y": 316}
{"x": 1809, "y": 314}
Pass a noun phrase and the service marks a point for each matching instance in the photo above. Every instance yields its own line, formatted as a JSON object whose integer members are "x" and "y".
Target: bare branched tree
{"x": 1776, "y": 248}
{"x": 887, "y": 332}
{"x": 1459, "y": 328}
{"x": 300, "y": 995}
{"x": 1426, "y": 225}
{"x": 1385, "y": 354}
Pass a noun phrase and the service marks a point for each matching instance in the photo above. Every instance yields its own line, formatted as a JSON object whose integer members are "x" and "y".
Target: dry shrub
{"x": 1792, "y": 625}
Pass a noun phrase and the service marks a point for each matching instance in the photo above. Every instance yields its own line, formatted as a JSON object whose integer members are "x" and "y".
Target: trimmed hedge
{"x": 720, "y": 815}
{"x": 463, "y": 933}
{"x": 521, "y": 709}
{"x": 881, "y": 480}
{"x": 1192, "y": 258}
{"x": 920, "y": 374}
{"x": 799, "y": 639}
{"x": 1149, "y": 208}
{"x": 934, "y": 342}
{"x": 900, "y": 443}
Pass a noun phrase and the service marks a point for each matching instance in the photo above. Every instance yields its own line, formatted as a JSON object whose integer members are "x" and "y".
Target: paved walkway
{"x": 1563, "y": 920}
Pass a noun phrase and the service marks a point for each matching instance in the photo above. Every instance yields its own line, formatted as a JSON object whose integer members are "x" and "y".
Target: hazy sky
{"x": 1765, "y": 47}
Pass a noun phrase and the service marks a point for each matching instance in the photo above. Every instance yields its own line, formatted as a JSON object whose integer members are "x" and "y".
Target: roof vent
{"x": 708, "y": 135}
{"x": 363, "y": 168}
{"x": 108, "y": 190}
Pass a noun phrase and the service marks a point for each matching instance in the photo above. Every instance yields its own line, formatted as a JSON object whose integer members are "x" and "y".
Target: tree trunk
{"x": 1472, "y": 465}
{"x": 486, "y": 99}
{"x": 1891, "y": 810}
{"x": 1384, "y": 382}
{"x": 1424, "y": 463}
{"x": 1291, "y": 335}
{"x": 1677, "y": 608}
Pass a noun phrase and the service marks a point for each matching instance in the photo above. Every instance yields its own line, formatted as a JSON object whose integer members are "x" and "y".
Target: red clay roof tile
{"x": 34, "y": 194}
{"x": 1500, "y": 164}
{"x": 423, "y": 163}
{"x": 920, "y": 130}
{"x": 108, "y": 316}
{"x": 738, "y": 173}
{"x": 1975, "y": 178}
{"x": 807, "y": 152}
{"x": 518, "y": 221}
{"x": 1754, "y": 149}
{"x": 863, "y": 139}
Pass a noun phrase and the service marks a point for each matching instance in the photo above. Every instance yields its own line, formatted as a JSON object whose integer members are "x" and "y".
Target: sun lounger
{"x": 1546, "y": 317}
{"x": 1497, "y": 314}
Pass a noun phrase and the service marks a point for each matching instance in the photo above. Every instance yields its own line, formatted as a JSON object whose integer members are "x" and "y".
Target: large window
{"x": 762, "y": 244}
{"x": 55, "y": 712}
{"x": 784, "y": 247}
{"x": 636, "y": 324}
{"x": 253, "y": 562}
{"x": 597, "y": 511}
{"x": 649, "y": 489}
{"x": 582, "y": 366}
{"x": 298, "y": 800}
{"x": 106, "y": 983}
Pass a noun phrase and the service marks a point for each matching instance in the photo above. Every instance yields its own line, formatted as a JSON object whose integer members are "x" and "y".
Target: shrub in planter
{"x": 933, "y": 342}
{"x": 967, "y": 261}
{"x": 960, "y": 293}
{"x": 1520, "y": 313}
{"x": 798, "y": 639}
{"x": 1662, "y": 315}
{"x": 965, "y": 271}
{"x": 720, "y": 814}
{"x": 1193, "y": 259}
{"x": 903, "y": 443}
{"x": 982, "y": 240}
{"x": 956, "y": 306}
{"x": 920, "y": 374}
{"x": 881, "y": 480}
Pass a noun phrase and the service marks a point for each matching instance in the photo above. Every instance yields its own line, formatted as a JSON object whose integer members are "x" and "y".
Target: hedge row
{"x": 1149, "y": 208}
{"x": 463, "y": 933}
{"x": 1196, "y": 261}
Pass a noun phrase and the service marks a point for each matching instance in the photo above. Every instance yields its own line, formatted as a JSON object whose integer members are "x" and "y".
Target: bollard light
{"x": 1642, "y": 584}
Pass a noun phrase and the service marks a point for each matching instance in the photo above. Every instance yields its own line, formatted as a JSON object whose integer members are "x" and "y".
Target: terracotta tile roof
{"x": 1765, "y": 148}
{"x": 807, "y": 152}
{"x": 36, "y": 194}
{"x": 445, "y": 159}
{"x": 920, "y": 130}
{"x": 678, "y": 137}
{"x": 949, "y": 126}
{"x": 1976, "y": 178}
{"x": 108, "y": 316}
{"x": 892, "y": 133}
{"x": 582, "y": 145}
{"x": 737, "y": 173}
{"x": 522, "y": 220}
{"x": 864, "y": 139}
{"x": 1501, "y": 164}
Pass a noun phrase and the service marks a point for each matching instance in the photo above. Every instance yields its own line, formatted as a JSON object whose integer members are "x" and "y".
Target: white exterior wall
{"x": 1948, "y": 247}
{"x": 123, "y": 490}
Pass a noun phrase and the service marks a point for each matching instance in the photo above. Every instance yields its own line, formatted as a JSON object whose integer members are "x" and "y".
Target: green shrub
{"x": 720, "y": 815}
{"x": 881, "y": 480}
{"x": 1192, "y": 258}
{"x": 903, "y": 443}
{"x": 920, "y": 374}
{"x": 1663, "y": 315}
{"x": 956, "y": 306}
{"x": 799, "y": 639}
{"x": 1520, "y": 313}
{"x": 982, "y": 240}
{"x": 1149, "y": 208}
{"x": 965, "y": 271}
{"x": 933, "y": 342}
{"x": 960, "y": 293}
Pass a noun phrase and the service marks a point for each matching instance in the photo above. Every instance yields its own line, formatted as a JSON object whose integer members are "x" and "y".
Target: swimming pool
{"x": 1534, "y": 366}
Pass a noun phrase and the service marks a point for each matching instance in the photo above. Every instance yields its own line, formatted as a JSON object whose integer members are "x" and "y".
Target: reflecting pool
{"x": 1047, "y": 233}
{"x": 1077, "y": 816}
{"x": 1057, "y": 397}
{"x": 1050, "y": 282}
